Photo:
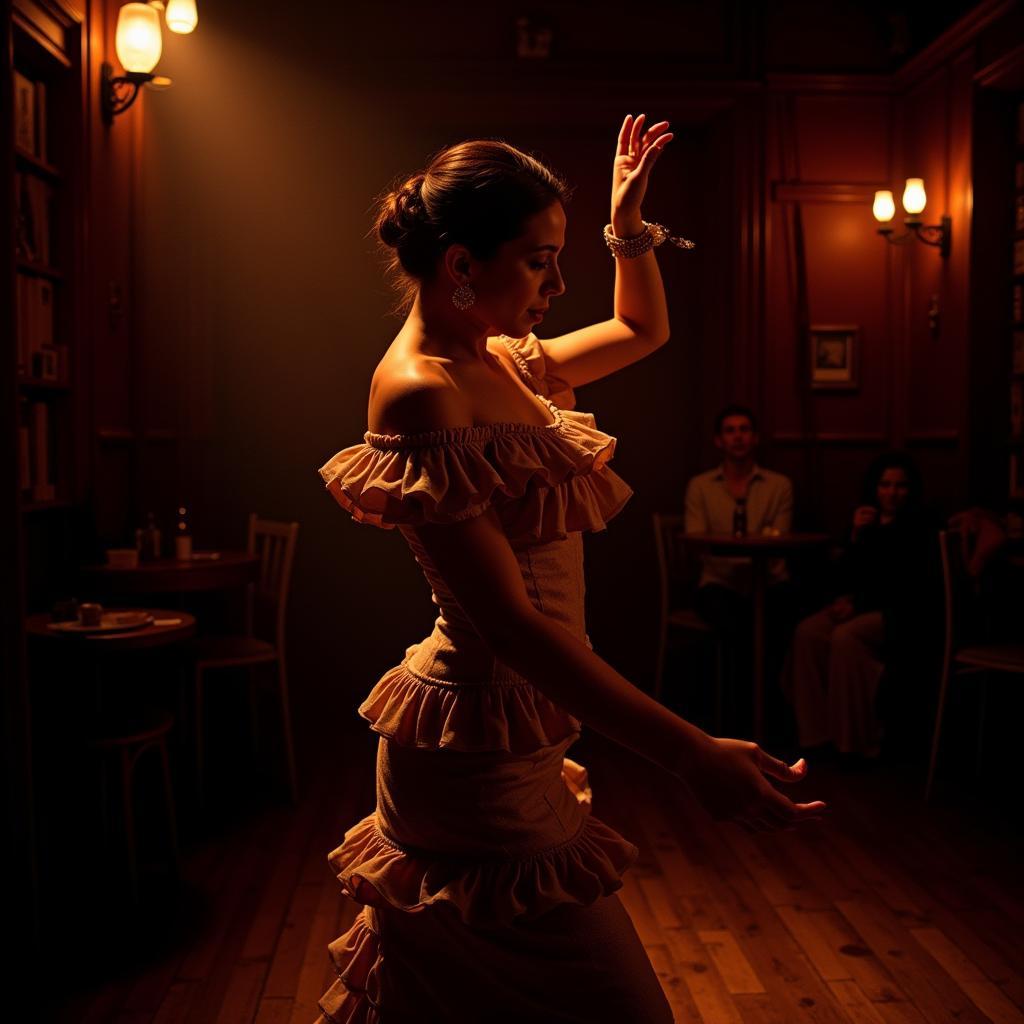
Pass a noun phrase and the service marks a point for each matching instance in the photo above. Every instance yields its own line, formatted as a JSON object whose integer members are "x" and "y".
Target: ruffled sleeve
{"x": 546, "y": 479}
{"x": 529, "y": 357}
{"x": 439, "y": 477}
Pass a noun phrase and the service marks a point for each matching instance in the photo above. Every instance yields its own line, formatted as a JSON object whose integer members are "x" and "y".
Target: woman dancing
{"x": 485, "y": 883}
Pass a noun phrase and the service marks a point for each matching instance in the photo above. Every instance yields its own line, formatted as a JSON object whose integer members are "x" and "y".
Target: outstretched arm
{"x": 639, "y": 324}
{"x": 727, "y": 776}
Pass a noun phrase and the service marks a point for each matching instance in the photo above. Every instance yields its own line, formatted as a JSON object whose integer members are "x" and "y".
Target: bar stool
{"x": 123, "y": 730}
{"x": 127, "y": 741}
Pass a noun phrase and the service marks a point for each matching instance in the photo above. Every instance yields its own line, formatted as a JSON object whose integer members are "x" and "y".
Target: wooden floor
{"x": 889, "y": 912}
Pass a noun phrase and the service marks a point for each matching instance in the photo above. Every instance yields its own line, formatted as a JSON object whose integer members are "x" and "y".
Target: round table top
{"x": 756, "y": 544}
{"x": 167, "y": 627}
{"x": 229, "y": 569}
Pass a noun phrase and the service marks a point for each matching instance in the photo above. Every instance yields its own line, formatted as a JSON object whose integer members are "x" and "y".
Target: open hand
{"x": 731, "y": 783}
{"x": 635, "y": 156}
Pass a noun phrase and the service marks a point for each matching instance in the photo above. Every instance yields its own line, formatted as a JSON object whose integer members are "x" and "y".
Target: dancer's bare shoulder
{"x": 413, "y": 394}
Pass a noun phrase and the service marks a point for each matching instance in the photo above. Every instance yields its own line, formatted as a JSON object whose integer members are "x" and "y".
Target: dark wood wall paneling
{"x": 831, "y": 142}
{"x": 828, "y": 150}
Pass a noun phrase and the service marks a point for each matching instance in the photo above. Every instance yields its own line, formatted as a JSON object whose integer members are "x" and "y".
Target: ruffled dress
{"x": 484, "y": 880}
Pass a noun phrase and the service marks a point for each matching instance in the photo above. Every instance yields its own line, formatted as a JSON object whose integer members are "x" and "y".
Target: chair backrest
{"x": 677, "y": 573}
{"x": 960, "y": 608}
{"x": 274, "y": 544}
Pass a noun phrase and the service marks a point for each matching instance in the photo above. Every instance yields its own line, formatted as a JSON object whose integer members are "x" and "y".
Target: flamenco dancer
{"x": 486, "y": 885}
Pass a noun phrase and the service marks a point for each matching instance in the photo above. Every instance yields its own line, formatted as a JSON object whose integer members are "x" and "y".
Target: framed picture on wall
{"x": 835, "y": 356}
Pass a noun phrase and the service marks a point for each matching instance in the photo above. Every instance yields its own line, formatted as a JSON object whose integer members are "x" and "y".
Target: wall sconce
{"x": 139, "y": 44}
{"x": 914, "y": 201}
{"x": 182, "y": 16}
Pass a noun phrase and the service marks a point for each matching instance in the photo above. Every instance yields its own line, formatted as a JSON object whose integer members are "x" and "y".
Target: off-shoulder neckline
{"x": 480, "y": 432}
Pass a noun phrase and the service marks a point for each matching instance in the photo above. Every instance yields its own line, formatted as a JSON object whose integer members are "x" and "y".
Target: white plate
{"x": 111, "y": 622}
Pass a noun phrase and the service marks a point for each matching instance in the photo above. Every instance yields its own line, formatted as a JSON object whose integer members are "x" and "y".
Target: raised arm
{"x": 727, "y": 776}
{"x": 639, "y": 323}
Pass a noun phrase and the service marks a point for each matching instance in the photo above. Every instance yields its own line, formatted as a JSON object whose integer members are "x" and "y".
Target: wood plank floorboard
{"x": 890, "y": 912}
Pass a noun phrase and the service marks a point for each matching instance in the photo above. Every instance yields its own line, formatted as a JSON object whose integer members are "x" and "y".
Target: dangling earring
{"x": 463, "y": 297}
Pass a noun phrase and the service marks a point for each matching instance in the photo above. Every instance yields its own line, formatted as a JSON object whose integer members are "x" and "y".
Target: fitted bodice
{"x": 547, "y": 484}
{"x": 552, "y": 573}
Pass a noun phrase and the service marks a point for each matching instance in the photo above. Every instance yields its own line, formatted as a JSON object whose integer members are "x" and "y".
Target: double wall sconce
{"x": 139, "y": 44}
{"x": 914, "y": 200}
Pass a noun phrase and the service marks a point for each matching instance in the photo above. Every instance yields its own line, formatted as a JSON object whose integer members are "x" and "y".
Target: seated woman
{"x": 839, "y": 654}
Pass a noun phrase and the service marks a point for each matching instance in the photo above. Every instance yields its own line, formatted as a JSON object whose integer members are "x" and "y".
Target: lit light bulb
{"x": 884, "y": 208}
{"x": 138, "y": 40}
{"x": 914, "y": 198}
{"x": 182, "y": 16}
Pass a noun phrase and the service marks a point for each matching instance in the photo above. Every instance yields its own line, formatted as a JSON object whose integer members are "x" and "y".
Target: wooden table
{"x": 760, "y": 549}
{"x": 93, "y": 650}
{"x": 176, "y": 625}
{"x": 169, "y": 576}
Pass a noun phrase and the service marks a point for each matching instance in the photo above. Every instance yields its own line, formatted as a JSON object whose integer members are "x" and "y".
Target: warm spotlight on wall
{"x": 914, "y": 201}
{"x": 139, "y": 44}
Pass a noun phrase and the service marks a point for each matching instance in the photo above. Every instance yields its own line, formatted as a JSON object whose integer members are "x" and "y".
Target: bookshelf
{"x": 45, "y": 195}
{"x": 46, "y": 126}
{"x": 42, "y": 347}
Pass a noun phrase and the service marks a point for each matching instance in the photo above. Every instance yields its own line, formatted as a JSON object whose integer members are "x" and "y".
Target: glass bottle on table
{"x": 147, "y": 540}
{"x": 739, "y": 518}
{"x": 182, "y": 537}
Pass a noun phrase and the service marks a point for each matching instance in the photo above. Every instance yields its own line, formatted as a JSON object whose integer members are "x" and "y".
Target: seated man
{"x": 712, "y": 498}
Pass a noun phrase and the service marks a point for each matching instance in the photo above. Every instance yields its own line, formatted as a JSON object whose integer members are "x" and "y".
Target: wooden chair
{"x": 957, "y": 657}
{"x": 263, "y": 642}
{"x": 676, "y": 574}
{"x": 130, "y": 740}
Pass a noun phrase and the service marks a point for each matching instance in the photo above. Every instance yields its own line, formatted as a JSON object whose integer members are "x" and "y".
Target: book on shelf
{"x": 1018, "y": 257}
{"x": 35, "y": 317}
{"x": 1017, "y": 363}
{"x": 24, "y": 113}
{"x": 39, "y": 426}
{"x": 42, "y": 147}
{"x": 24, "y": 460}
{"x": 1018, "y": 303}
{"x": 48, "y": 365}
{"x": 1017, "y": 408}
{"x": 33, "y": 231}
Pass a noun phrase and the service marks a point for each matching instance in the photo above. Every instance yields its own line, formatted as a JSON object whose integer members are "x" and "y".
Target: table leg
{"x": 760, "y": 573}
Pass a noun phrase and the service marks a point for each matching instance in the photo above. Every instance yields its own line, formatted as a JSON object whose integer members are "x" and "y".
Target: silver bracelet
{"x": 652, "y": 235}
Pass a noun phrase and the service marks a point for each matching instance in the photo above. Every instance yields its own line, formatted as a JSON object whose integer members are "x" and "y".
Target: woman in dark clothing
{"x": 839, "y": 654}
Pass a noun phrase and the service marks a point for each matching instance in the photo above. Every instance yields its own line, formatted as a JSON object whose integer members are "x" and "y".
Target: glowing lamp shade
{"x": 914, "y": 198}
{"x": 182, "y": 16}
{"x": 138, "y": 39}
{"x": 883, "y": 208}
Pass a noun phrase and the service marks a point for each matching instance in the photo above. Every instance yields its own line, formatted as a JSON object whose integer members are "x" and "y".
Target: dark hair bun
{"x": 401, "y": 213}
